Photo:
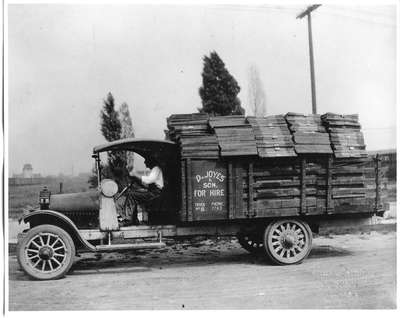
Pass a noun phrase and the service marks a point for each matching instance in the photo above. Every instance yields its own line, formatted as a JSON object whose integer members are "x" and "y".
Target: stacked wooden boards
{"x": 345, "y": 134}
{"x": 192, "y": 133}
{"x": 309, "y": 134}
{"x": 272, "y": 136}
{"x": 202, "y": 136}
{"x": 235, "y": 136}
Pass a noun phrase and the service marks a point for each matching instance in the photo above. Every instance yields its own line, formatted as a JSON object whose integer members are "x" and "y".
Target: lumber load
{"x": 192, "y": 133}
{"x": 273, "y": 138}
{"x": 235, "y": 136}
{"x": 227, "y": 121}
{"x": 205, "y": 146}
{"x": 187, "y": 125}
{"x": 345, "y": 134}
{"x": 203, "y": 136}
{"x": 309, "y": 134}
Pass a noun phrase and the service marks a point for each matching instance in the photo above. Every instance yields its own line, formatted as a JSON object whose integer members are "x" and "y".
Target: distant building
{"x": 26, "y": 177}
{"x": 27, "y": 171}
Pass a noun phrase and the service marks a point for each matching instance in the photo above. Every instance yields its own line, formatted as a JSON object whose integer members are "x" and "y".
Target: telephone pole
{"x": 307, "y": 13}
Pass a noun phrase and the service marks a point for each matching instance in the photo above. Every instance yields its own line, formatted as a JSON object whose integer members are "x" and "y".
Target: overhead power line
{"x": 343, "y": 13}
{"x": 362, "y": 11}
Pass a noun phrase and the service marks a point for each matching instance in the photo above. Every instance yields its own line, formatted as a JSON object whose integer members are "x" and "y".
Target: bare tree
{"x": 257, "y": 98}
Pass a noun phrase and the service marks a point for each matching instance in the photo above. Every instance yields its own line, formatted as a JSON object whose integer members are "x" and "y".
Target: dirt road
{"x": 343, "y": 271}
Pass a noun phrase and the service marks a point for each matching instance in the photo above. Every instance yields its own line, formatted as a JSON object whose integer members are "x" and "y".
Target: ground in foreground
{"x": 342, "y": 271}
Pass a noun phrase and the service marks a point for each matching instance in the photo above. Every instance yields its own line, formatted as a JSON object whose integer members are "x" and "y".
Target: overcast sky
{"x": 64, "y": 59}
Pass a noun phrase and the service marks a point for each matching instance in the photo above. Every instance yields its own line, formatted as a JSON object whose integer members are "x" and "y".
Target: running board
{"x": 136, "y": 246}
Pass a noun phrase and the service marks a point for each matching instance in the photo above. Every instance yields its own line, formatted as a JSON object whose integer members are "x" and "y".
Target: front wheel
{"x": 287, "y": 242}
{"x": 46, "y": 252}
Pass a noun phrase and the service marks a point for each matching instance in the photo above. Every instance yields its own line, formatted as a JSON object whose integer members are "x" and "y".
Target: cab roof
{"x": 157, "y": 149}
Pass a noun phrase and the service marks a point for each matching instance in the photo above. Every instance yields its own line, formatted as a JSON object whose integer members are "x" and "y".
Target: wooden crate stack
{"x": 192, "y": 133}
{"x": 345, "y": 134}
{"x": 272, "y": 136}
{"x": 235, "y": 136}
{"x": 309, "y": 134}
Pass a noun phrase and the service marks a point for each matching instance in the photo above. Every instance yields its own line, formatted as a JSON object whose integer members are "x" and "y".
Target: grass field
{"x": 19, "y": 197}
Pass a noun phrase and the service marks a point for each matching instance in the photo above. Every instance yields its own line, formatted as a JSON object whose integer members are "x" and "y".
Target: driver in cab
{"x": 148, "y": 187}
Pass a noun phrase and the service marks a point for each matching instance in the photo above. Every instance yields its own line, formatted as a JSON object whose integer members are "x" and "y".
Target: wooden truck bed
{"x": 307, "y": 185}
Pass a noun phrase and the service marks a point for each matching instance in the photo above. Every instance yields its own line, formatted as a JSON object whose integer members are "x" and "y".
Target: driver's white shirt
{"x": 155, "y": 176}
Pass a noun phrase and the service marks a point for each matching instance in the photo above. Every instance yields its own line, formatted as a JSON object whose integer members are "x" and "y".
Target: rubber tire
{"x": 251, "y": 249}
{"x": 63, "y": 235}
{"x": 267, "y": 232}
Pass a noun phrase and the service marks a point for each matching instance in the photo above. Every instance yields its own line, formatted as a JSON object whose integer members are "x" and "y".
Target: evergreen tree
{"x": 220, "y": 89}
{"x": 111, "y": 129}
{"x": 110, "y": 124}
{"x": 114, "y": 126}
{"x": 126, "y": 122}
{"x": 126, "y": 130}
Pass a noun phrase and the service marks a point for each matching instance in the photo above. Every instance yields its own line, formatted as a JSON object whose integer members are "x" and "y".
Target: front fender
{"x": 40, "y": 217}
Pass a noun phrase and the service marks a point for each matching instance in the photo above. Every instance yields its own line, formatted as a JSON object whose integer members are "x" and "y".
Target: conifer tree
{"x": 115, "y": 125}
{"x": 126, "y": 130}
{"x": 220, "y": 89}
{"x": 126, "y": 121}
{"x": 111, "y": 129}
{"x": 110, "y": 124}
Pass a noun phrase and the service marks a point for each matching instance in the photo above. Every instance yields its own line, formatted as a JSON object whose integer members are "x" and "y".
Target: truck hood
{"x": 75, "y": 202}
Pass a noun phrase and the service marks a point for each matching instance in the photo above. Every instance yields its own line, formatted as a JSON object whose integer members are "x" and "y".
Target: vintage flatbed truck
{"x": 271, "y": 182}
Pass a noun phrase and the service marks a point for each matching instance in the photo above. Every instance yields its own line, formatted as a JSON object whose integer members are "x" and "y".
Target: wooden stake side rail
{"x": 240, "y": 186}
{"x": 329, "y": 182}
{"x": 250, "y": 192}
{"x": 377, "y": 181}
{"x": 189, "y": 189}
{"x": 303, "y": 203}
{"x": 306, "y": 185}
{"x": 231, "y": 194}
{"x": 184, "y": 194}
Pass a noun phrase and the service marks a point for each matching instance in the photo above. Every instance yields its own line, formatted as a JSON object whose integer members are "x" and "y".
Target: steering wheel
{"x": 128, "y": 186}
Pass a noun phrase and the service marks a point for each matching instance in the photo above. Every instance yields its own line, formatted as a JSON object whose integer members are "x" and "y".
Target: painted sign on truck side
{"x": 209, "y": 186}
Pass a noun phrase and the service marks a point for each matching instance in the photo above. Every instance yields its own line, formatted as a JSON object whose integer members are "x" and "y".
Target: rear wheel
{"x": 46, "y": 252}
{"x": 287, "y": 242}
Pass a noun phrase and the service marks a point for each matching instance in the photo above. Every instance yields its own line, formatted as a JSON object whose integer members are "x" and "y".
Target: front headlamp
{"x": 109, "y": 187}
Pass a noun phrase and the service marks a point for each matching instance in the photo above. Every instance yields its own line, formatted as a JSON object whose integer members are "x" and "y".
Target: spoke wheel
{"x": 251, "y": 242}
{"x": 287, "y": 241}
{"x": 46, "y": 252}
